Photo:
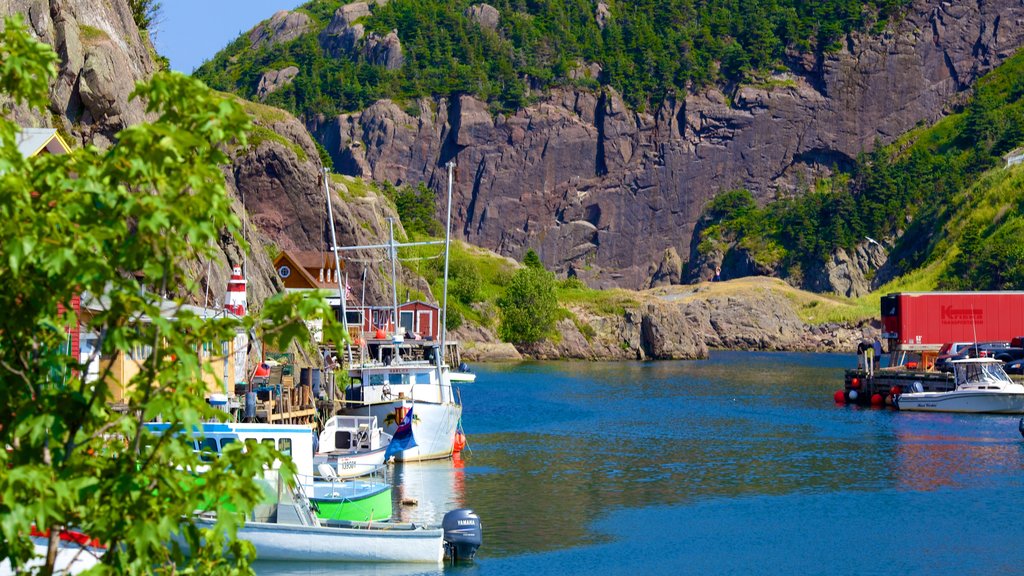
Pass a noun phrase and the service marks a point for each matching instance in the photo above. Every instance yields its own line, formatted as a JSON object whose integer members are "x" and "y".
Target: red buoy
{"x": 895, "y": 391}
{"x": 877, "y": 400}
{"x": 839, "y": 397}
{"x": 460, "y": 441}
{"x": 855, "y": 383}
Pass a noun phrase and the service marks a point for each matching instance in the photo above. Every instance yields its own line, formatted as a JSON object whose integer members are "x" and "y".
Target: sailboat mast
{"x": 394, "y": 282}
{"x": 447, "y": 246}
{"x": 337, "y": 259}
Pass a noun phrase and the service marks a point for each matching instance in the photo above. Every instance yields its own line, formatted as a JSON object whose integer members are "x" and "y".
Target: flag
{"x": 402, "y": 439}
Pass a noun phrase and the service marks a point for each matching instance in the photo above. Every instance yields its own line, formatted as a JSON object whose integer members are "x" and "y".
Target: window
{"x": 224, "y": 443}
{"x": 286, "y": 446}
{"x": 208, "y": 449}
{"x": 354, "y": 317}
{"x": 405, "y": 320}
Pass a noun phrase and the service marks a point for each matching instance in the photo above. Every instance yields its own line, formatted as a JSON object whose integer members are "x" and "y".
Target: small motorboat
{"x": 981, "y": 386}
{"x": 366, "y": 499}
{"x": 351, "y": 445}
{"x": 286, "y": 529}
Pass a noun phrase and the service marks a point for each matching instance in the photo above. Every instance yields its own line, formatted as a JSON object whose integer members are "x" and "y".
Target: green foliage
{"x": 528, "y": 307}
{"x": 453, "y": 318}
{"x": 647, "y": 50}
{"x": 90, "y": 223}
{"x": 415, "y": 206}
{"x": 145, "y": 12}
{"x": 532, "y": 260}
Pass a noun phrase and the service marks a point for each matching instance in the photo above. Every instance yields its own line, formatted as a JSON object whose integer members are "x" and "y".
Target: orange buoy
{"x": 839, "y": 397}
{"x": 460, "y": 441}
{"x": 911, "y": 365}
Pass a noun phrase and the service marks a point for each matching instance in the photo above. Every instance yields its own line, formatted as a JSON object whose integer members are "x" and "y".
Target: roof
{"x": 32, "y": 141}
{"x": 313, "y": 259}
{"x": 306, "y": 263}
{"x": 168, "y": 308}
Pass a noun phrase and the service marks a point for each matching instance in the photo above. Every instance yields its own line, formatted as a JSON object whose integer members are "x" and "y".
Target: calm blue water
{"x": 737, "y": 464}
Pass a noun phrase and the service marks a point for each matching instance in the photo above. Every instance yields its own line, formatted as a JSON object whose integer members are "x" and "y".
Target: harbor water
{"x": 740, "y": 464}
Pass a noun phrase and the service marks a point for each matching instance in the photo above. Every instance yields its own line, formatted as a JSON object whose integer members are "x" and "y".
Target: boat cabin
{"x": 295, "y": 441}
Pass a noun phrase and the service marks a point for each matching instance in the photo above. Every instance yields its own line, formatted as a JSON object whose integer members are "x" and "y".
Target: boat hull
{"x": 351, "y": 464}
{"x": 277, "y": 542}
{"x": 353, "y": 501}
{"x": 968, "y": 401}
{"x": 433, "y": 428}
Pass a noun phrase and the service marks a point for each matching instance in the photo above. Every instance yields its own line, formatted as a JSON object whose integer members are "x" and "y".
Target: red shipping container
{"x": 934, "y": 318}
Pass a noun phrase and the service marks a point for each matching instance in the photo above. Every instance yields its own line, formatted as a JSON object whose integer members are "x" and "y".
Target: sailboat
{"x": 392, "y": 374}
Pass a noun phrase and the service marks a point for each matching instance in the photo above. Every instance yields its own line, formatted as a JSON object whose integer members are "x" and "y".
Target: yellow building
{"x": 219, "y": 359}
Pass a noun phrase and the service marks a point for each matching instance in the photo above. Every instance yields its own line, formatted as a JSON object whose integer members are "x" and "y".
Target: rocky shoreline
{"x": 680, "y": 323}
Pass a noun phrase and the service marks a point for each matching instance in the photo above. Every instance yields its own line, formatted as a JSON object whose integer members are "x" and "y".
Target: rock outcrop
{"x": 102, "y": 56}
{"x": 283, "y": 26}
{"x": 274, "y": 80}
{"x": 485, "y": 15}
{"x": 642, "y": 179}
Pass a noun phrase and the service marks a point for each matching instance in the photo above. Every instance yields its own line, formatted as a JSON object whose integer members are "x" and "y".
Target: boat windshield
{"x": 977, "y": 372}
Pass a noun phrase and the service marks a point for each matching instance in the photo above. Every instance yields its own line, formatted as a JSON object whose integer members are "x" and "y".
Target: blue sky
{"x": 192, "y": 31}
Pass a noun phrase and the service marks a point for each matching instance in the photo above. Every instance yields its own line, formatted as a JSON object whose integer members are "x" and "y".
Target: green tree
{"x": 90, "y": 223}
{"x": 532, "y": 260}
{"x": 528, "y": 306}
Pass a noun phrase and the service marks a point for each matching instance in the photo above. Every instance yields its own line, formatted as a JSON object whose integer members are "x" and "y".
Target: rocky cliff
{"x": 276, "y": 180}
{"x": 604, "y": 192}
{"x": 102, "y": 56}
{"x": 685, "y": 322}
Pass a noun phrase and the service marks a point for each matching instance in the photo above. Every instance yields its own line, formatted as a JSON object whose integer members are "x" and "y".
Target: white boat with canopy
{"x": 981, "y": 386}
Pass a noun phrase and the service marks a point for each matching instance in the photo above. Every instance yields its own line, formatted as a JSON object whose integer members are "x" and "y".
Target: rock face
{"x": 849, "y": 274}
{"x": 274, "y": 80}
{"x": 282, "y": 27}
{"x": 485, "y": 15}
{"x": 642, "y": 179}
{"x": 384, "y": 51}
{"x": 102, "y": 56}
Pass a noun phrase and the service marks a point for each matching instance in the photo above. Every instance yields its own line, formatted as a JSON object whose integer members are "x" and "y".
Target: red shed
{"x": 930, "y": 319}
{"x": 417, "y": 317}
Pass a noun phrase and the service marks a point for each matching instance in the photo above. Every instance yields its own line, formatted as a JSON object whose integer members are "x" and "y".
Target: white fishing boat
{"x": 286, "y": 529}
{"x": 391, "y": 376}
{"x": 981, "y": 386}
{"x": 351, "y": 445}
{"x": 285, "y": 526}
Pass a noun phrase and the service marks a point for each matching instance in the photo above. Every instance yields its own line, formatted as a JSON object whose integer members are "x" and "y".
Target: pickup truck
{"x": 980, "y": 349}
{"x": 1014, "y": 352}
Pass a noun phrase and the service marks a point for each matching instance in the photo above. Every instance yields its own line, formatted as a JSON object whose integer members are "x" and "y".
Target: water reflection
{"x": 569, "y": 462}
{"x": 955, "y": 451}
{"x": 425, "y": 491}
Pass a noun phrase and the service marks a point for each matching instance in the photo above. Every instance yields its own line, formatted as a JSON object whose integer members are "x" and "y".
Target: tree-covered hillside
{"x": 940, "y": 194}
{"x": 645, "y": 49}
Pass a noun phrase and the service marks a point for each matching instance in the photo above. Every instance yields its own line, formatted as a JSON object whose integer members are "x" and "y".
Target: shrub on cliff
{"x": 528, "y": 307}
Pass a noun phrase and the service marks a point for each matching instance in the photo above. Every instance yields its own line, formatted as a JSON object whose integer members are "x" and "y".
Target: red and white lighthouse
{"x": 234, "y": 300}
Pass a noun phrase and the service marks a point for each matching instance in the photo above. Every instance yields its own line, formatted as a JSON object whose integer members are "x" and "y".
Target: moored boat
{"x": 981, "y": 386}
{"x": 366, "y": 499}
{"x": 288, "y": 530}
{"x": 351, "y": 445}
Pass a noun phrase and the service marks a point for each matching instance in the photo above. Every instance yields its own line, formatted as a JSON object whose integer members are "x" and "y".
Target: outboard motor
{"x": 463, "y": 534}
